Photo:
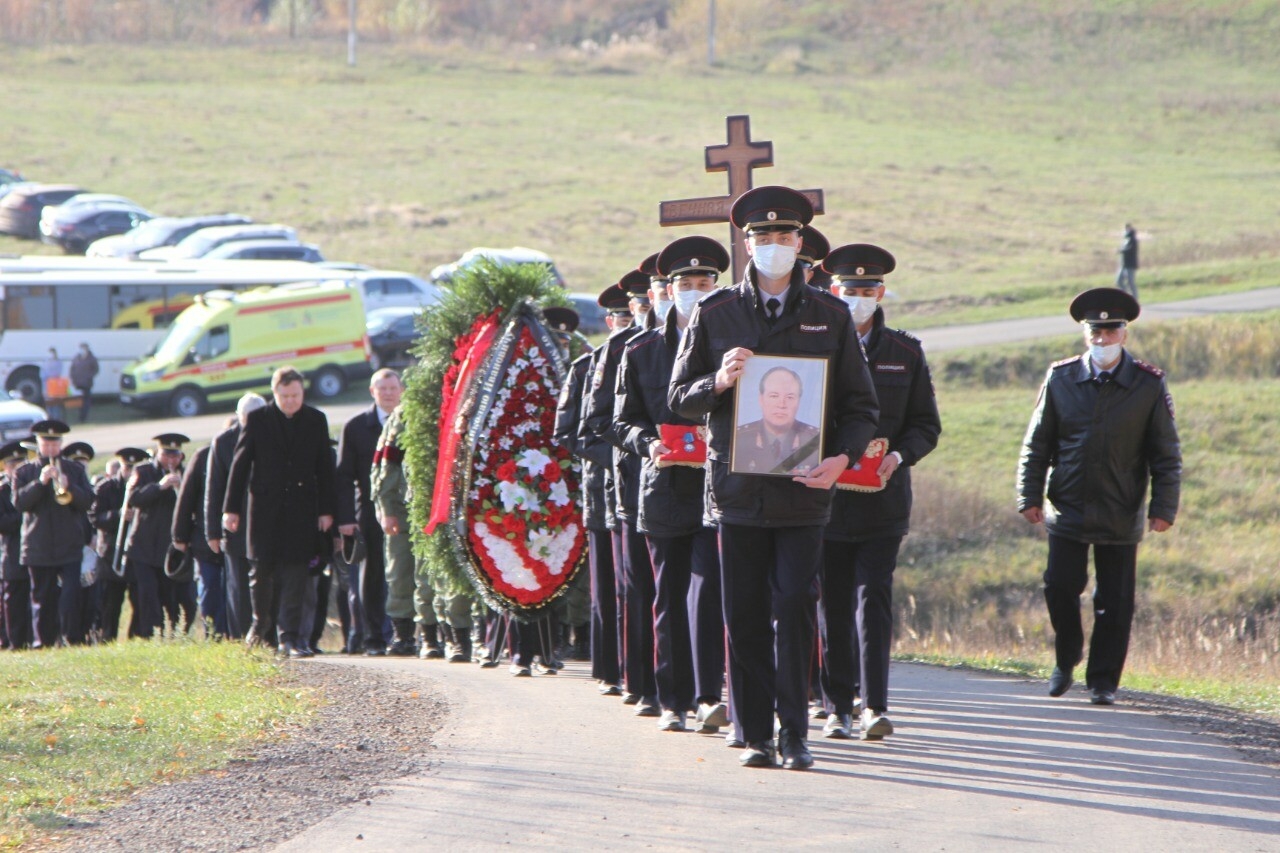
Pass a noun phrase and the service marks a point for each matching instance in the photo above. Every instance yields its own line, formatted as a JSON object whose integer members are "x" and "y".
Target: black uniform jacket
{"x": 597, "y": 414}
{"x": 10, "y": 534}
{"x": 568, "y": 435}
{"x": 355, "y": 464}
{"x": 215, "y": 492}
{"x": 149, "y": 535}
{"x": 599, "y": 423}
{"x": 908, "y": 419}
{"x": 671, "y": 498}
{"x": 813, "y": 323}
{"x": 104, "y": 514}
{"x": 52, "y": 534}
{"x": 188, "y": 517}
{"x": 1098, "y": 444}
{"x": 289, "y": 472}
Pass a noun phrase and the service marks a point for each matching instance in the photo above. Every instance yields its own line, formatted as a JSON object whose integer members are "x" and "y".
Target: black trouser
{"x": 373, "y": 586}
{"x": 857, "y": 606}
{"x": 1115, "y": 570}
{"x": 111, "y": 603}
{"x": 769, "y": 578}
{"x": 278, "y": 591}
{"x": 150, "y": 615}
{"x": 526, "y": 640}
{"x": 618, "y": 546}
{"x": 637, "y": 617}
{"x": 235, "y": 579}
{"x": 672, "y": 558}
{"x": 181, "y": 604}
{"x": 324, "y": 583}
{"x": 17, "y": 611}
{"x": 706, "y": 617}
{"x": 56, "y": 612}
{"x": 605, "y": 662}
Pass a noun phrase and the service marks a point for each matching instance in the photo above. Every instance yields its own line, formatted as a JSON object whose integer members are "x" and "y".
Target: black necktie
{"x": 772, "y": 307}
{"x": 1104, "y": 377}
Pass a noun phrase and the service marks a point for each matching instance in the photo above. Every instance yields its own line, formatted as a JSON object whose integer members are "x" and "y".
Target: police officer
{"x": 631, "y": 557}
{"x": 814, "y": 247}
{"x": 688, "y": 624}
{"x": 866, "y": 529}
{"x": 90, "y": 606}
{"x": 1101, "y": 431}
{"x": 15, "y": 582}
{"x": 105, "y": 515}
{"x": 53, "y": 495}
{"x": 153, "y": 492}
{"x": 771, "y": 527}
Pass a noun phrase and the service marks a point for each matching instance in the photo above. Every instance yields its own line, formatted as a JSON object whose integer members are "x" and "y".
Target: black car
{"x": 161, "y": 231}
{"x": 21, "y": 207}
{"x": 391, "y": 332}
{"x": 73, "y": 227}
{"x": 590, "y": 314}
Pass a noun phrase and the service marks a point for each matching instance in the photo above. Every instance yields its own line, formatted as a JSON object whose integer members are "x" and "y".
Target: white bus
{"x": 120, "y": 314}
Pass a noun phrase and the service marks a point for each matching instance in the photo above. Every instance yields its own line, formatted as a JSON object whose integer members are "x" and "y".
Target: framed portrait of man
{"x": 779, "y": 416}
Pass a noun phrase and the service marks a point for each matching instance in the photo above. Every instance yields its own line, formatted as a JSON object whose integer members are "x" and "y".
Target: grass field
{"x": 1001, "y": 190}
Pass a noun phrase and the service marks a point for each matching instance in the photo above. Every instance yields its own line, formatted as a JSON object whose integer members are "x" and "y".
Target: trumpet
{"x": 61, "y": 494}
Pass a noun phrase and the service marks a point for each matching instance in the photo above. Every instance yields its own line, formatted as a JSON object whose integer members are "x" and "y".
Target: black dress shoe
{"x": 795, "y": 752}
{"x": 375, "y": 652}
{"x": 289, "y": 650}
{"x": 402, "y": 649}
{"x": 1060, "y": 682}
{"x": 1102, "y": 696}
{"x": 759, "y": 754}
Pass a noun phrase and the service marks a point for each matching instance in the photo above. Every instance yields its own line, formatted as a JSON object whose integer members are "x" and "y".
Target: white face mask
{"x": 662, "y": 307}
{"x": 1104, "y": 355}
{"x": 686, "y": 299}
{"x": 863, "y": 308}
{"x": 774, "y": 260}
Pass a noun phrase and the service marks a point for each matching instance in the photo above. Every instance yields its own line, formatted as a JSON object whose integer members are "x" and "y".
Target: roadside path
{"x": 979, "y": 761}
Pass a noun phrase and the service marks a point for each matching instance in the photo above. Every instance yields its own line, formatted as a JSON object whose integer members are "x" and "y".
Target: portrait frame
{"x": 755, "y": 431}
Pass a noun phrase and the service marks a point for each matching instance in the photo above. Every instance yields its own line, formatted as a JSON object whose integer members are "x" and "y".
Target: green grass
{"x": 81, "y": 728}
{"x": 1001, "y": 191}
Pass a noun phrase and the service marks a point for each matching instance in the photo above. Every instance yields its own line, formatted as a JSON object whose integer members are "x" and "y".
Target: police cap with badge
{"x": 636, "y": 285}
{"x": 614, "y": 300}
{"x": 694, "y": 255}
{"x": 14, "y": 451}
{"x": 649, "y": 266}
{"x": 79, "y": 451}
{"x": 858, "y": 264}
{"x": 771, "y": 209}
{"x": 50, "y": 429}
{"x": 1104, "y": 308}
{"x": 132, "y": 455}
{"x": 561, "y": 319}
{"x": 170, "y": 442}
{"x": 813, "y": 246}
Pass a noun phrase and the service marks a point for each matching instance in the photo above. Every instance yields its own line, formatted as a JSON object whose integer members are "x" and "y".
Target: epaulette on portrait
{"x": 1074, "y": 359}
{"x": 1149, "y": 368}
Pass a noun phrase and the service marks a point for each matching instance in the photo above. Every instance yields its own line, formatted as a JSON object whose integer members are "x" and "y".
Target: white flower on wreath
{"x": 505, "y": 442}
{"x": 515, "y": 495}
{"x": 559, "y": 494}
{"x": 533, "y": 461}
{"x": 553, "y": 548}
{"x": 531, "y": 386}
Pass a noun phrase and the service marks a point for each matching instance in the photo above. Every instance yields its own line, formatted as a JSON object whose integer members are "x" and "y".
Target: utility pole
{"x": 351, "y": 33}
{"x": 711, "y": 32}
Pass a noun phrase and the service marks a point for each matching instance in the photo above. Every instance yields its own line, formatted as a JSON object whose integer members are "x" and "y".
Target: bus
{"x": 120, "y": 314}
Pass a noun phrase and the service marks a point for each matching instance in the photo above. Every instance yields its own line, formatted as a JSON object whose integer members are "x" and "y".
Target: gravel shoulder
{"x": 374, "y": 727}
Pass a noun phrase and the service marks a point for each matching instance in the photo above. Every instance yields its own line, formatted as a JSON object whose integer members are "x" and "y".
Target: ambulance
{"x": 228, "y": 343}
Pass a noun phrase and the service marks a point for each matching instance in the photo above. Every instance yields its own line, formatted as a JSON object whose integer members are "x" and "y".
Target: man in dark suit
{"x": 231, "y": 546}
{"x": 153, "y": 492}
{"x": 282, "y": 457}
{"x": 356, "y": 511}
{"x": 188, "y": 532}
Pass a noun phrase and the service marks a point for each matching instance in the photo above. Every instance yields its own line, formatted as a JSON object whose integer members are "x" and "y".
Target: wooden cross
{"x": 738, "y": 157}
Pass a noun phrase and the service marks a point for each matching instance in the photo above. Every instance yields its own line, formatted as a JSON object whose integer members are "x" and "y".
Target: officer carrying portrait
{"x": 778, "y": 429}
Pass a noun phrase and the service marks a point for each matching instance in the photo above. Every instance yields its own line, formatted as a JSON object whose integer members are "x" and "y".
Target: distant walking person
{"x": 1126, "y": 278}
{"x": 1102, "y": 429}
{"x": 52, "y": 385}
{"x": 84, "y": 369}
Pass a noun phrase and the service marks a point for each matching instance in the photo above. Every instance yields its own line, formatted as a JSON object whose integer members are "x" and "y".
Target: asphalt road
{"x": 978, "y": 762}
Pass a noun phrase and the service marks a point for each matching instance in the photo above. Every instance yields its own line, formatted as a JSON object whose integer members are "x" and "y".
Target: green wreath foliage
{"x": 474, "y": 292}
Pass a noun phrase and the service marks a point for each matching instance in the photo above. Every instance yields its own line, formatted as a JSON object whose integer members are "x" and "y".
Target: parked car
{"x": 17, "y": 418}
{"x": 197, "y": 243}
{"x": 391, "y": 289}
{"x": 515, "y": 255}
{"x": 391, "y": 332}
{"x": 72, "y": 227}
{"x": 265, "y": 250}
{"x": 161, "y": 231}
{"x": 21, "y": 207}
{"x": 590, "y": 314}
{"x": 8, "y": 178}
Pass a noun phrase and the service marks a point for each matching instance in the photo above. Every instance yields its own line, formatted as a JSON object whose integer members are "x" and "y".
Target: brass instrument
{"x": 61, "y": 493}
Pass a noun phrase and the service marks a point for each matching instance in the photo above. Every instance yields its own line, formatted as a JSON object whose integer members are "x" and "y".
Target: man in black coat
{"x": 53, "y": 495}
{"x": 356, "y": 510}
{"x": 105, "y": 515}
{"x": 283, "y": 459}
{"x": 188, "y": 533}
{"x": 153, "y": 492}
{"x": 860, "y": 551}
{"x": 771, "y": 527}
{"x": 15, "y": 582}
{"x": 1102, "y": 431}
{"x": 232, "y": 546}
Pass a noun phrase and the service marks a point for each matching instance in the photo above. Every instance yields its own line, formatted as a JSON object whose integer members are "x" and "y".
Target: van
{"x": 228, "y": 343}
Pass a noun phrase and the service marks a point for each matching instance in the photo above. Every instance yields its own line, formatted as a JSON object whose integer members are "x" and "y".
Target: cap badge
{"x": 694, "y": 262}
{"x": 772, "y": 215}
{"x": 1102, "y": 315}
{"x": 860, "y": 271}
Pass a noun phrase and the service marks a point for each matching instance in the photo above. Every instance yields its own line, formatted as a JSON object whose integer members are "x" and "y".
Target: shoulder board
{"x": 905, "y": 340}
{"x": 644, "y": 339}
{"x": 584, "y": 358}
{"x": 905, "y": 334}
{"x": 1065, "y": 362}
{"x": 1149, "y": 368}
{"x": 718, "y": 296}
